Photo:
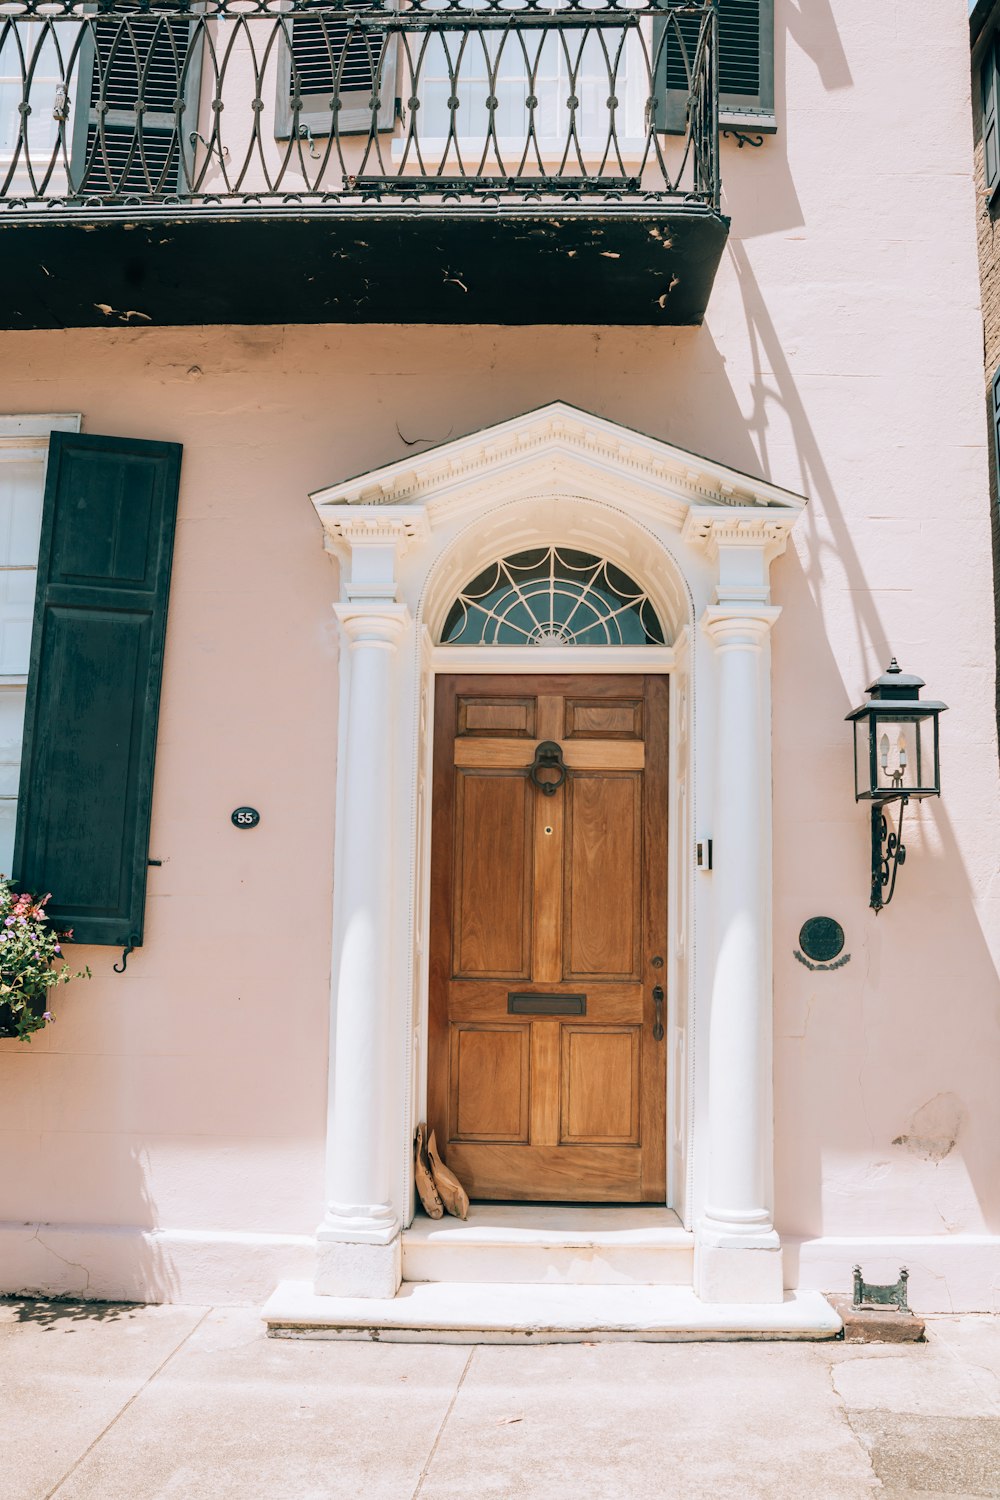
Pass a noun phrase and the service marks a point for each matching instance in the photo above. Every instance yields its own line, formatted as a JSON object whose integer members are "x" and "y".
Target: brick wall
{"x": 988, "y": 238}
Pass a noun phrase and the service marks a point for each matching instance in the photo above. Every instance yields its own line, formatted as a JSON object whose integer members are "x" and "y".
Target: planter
{"x": 8, "y": 1024}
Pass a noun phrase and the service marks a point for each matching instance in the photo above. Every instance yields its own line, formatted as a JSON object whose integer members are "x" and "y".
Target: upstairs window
{"x": 746, "y": 66}
{"x": 990, "y": 81}
{"x": 332, "y": 68}
{"x": 139, "y": 75}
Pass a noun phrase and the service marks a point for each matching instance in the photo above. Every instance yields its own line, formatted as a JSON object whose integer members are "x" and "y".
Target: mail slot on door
{"x": 520, "y": 1004}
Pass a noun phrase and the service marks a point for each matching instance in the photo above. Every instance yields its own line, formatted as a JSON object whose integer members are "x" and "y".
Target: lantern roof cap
{"x": 895, "y": 683}
{"x": 899, "y": 691}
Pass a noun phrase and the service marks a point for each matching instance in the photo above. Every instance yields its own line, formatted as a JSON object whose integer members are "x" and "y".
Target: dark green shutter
{"x": 746, "y": 66}
{"x": 991, "y": 156}
{"x": 94, "y": 682}
{"x": 129, "y": 59}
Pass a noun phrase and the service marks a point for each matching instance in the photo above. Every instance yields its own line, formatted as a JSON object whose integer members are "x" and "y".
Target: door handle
{"x": 658, "y": 999}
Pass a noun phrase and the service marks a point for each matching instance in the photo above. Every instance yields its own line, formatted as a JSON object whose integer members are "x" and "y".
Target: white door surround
{"x": 699, "y": 538}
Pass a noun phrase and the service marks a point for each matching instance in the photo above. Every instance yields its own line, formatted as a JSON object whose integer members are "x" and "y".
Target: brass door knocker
{"x": 548, "y": 757}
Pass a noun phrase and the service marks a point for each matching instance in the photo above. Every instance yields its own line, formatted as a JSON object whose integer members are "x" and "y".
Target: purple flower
{"x": 10, "y": 922}
{"x": 48, "y": 1016}
{"x": 58, "y": 949}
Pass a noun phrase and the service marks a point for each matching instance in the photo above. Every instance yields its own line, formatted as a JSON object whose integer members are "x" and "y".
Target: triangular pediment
{"x": 559, "y": 449}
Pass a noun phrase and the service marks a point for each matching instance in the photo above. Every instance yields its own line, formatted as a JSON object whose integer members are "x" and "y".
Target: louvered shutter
{"x": 336, "y": 70}
{"x": 746, "y": 66}
{"x": 94, "y": 682}
{"x": 137, "y": 94}
{"x": 990, "y": 89}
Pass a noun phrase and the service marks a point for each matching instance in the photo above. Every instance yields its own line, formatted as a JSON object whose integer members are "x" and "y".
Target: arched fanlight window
{"x": 552, "y": 596}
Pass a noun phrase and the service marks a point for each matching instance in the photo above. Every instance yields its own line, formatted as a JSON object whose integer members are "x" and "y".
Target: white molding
{"x": 742, "y": 526}
{"x": 540, "y": 659}
{"x": 132, "y": 1263}
{"x": 565, "y": 435}
{"x": 33, "y": 431}
{"x": 372, "y": 543}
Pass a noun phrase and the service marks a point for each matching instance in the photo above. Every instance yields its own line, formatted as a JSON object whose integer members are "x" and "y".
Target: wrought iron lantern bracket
{"x": 888, "y": 852}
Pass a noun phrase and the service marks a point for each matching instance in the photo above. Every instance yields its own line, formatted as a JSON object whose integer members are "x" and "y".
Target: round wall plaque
{"x": 821, "y": 939}
{"x": 246, "y": 817}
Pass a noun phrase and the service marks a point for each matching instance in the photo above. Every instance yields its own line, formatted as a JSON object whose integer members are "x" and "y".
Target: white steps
{"x": 544, "y": 1245}
{"x": 484, "y": 1313}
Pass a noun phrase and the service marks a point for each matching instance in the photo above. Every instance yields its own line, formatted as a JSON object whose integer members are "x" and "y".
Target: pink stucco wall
{"x": 841, "y": 358}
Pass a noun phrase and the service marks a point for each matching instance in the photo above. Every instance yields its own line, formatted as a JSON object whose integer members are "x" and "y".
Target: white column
{"x": 738, "y": 1255}
{"x": 359, "y": 1247}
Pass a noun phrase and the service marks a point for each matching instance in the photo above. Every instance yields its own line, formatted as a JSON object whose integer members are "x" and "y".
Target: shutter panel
{"x": 127, "y": 58}
{"x": 329, "y": 59}
{"x": 746, "y": 66}
{"x": 991, "y": 158}
{"x": 94, "y": 682}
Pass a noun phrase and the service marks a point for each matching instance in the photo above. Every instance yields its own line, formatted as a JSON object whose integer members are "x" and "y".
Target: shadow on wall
{"x": 810, "y": 26}
{"x": 886, "y": 1109}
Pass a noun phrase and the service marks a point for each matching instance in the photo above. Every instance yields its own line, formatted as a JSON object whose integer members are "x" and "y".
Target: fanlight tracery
{"x": 552, "y": 596}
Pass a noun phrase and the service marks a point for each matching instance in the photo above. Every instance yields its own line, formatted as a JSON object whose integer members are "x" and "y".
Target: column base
{"x": 347, "y": 1268}
{"x": 738, "y": 1268}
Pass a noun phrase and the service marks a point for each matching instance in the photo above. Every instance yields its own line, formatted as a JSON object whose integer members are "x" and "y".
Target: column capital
{"x": 371, "y": 539}
{"x": 742, "y": 541}
{"x": 739, "y": 626}
{"x": 374, "y": 623}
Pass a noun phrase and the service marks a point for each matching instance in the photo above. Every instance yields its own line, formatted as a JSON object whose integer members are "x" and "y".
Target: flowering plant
{"x": 29, "y": 945}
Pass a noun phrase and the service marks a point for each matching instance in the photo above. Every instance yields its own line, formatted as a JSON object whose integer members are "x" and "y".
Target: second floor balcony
{"x": 453, "y": 161}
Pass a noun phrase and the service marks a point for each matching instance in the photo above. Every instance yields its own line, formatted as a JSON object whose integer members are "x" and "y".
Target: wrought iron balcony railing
{"x": 267, "y": 161}
{"x": 226, "y": 104}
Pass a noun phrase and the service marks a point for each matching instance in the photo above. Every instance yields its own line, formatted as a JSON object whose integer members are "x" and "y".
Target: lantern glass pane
{"x": 862, "y": 758}
{"x": 904, "y": 760}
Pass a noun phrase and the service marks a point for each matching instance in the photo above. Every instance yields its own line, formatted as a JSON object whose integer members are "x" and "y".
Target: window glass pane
{"x": 552, "y": 596}
{"x": 11, "y": 734}
{"x": 20, "y": 511}
{"x": 17, "y": 603}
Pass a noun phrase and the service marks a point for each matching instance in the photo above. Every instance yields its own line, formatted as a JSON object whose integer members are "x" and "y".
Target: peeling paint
{"x": 933, "y": 1130}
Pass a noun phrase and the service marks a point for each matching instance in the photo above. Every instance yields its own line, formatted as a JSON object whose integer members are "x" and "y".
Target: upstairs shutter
{"x": 94, "y": 682}
{"x": 990, "y": 90}
{"x": 332, "y": 72}
{"x": 746, "y": 66}
{"x": 137, "y": 94}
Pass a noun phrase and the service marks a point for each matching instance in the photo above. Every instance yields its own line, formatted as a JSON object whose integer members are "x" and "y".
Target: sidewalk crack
{"x": 440, "y": 1432}
{"x": 130, "y": 1402}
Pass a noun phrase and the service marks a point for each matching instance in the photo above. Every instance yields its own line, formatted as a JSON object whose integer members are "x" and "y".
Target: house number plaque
{"x": 246, "y": 817}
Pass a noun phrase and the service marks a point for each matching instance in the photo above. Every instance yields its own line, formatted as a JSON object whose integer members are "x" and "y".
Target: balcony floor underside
{"x": 639, "y": 265}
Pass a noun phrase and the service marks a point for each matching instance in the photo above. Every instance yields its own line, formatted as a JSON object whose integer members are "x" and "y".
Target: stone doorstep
{"x": 877, "y": 1325}
{"x": 520, "y": 1243}
{"x": 437, "y": 1312}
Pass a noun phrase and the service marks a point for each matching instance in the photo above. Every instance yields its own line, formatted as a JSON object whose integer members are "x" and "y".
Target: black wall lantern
{"x": 895, "y": 758}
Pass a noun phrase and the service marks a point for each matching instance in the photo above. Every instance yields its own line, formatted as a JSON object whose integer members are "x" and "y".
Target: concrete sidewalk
{"x": 132, "y": 1403}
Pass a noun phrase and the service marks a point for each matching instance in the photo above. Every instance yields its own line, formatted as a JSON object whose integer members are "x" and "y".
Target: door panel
{"x": 561, "y": 898}
{"x": 510, "y": 716}
{"x": 602, "y": 898}
{"x": 489, "y": 1073}
{"x": 592, "y": 718}
{"x": 492, "y": 924}
{"x": 600, "y": 1084}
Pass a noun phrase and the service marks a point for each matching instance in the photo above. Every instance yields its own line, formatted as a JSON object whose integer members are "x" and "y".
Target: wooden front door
{"x": 547, "y": 1074}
